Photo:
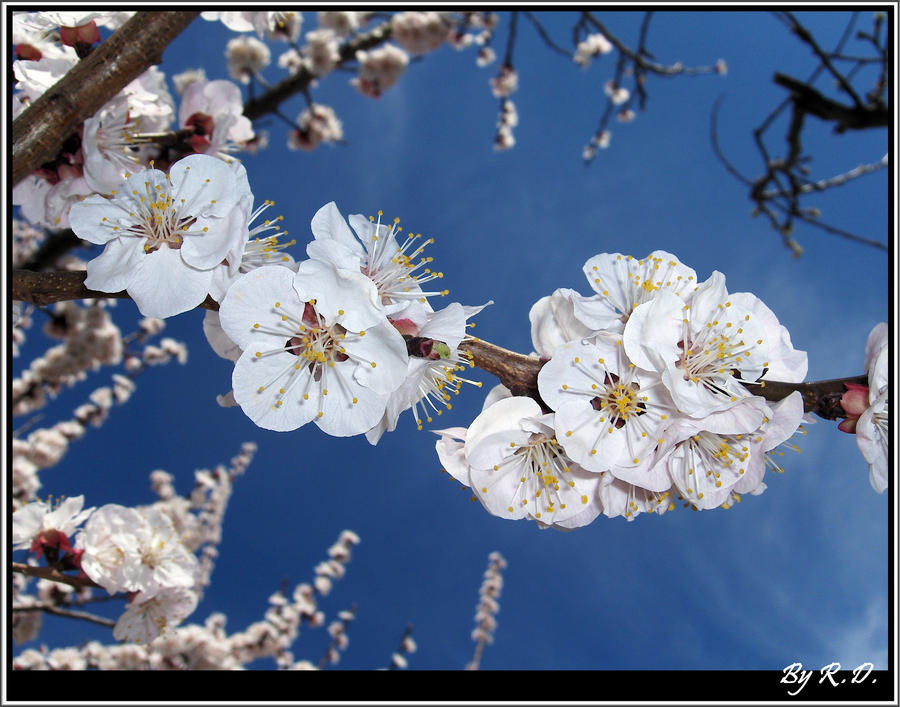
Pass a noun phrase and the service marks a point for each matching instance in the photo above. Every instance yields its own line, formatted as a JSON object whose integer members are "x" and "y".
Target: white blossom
{"x": 419, "y": 32}
{"x": 149, "y": 616}
{"x": 379, "y": 69}
{"x": 246, "y": 57}
{"x": 590, "y": 47}
{"x": 872, "y": 428}
{"x": 397, "y": 271}
{"x": 214, "y": 109}
{"x": 610, "y": 415}
{"x": 315, "y": 348}
{"x": 164, "y": 233}
{"x": 38, "y": 517}
{"x": 517, "y": 469}
{"x": 316, "y": 124}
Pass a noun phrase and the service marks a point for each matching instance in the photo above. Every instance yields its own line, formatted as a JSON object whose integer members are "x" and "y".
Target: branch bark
{"x": 39, "y": 132}
{"x": 53, "y": 575}
{"x": 43, "y": 288}
{"x": 514, "y": 370}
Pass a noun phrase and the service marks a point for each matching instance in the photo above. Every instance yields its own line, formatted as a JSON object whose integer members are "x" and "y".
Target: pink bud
{"x": 83, "y": 34}
{"x": 854, "y": 401}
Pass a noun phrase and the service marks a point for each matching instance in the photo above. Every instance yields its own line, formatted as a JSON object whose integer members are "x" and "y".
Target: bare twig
{"x": 714, "y": 137}
{"x": 811, "y": 101}
{"x": 838, "y": 180}
{"x": 68, "y": 613}
{"x": 806, "y": 36}
{"x": 546, "y": 37}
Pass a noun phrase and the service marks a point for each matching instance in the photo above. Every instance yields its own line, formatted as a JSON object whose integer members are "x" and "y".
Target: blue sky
{"x": 799, "y": 573}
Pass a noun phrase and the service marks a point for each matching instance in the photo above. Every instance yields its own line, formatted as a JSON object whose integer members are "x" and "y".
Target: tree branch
{"x": 57, "y": 286}
{"x": 68, "y": 613}
{"x": 39, "y": 132}
{"x": 811, "y": 101}
{"x": 299, "y": 82}
{"x": 516, "y": 371}
{"x": 53, "y": 575}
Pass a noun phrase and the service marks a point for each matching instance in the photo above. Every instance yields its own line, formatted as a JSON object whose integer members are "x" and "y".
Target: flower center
{"x": 440, "y": 380}
{"x": 547, "y": 464}
{"x": 397, "y": 274}
{"x": 317, "y": 344}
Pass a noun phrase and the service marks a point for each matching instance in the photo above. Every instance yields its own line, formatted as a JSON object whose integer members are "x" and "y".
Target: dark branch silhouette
{"x": 778, "y": 192}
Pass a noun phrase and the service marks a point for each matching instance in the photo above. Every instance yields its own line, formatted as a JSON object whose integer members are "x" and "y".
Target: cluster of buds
{"x": 419, "y": 32}
{"x": 379, "y": 69}
{"x": 316, "y": 124}
{"x": 508, "y": 119}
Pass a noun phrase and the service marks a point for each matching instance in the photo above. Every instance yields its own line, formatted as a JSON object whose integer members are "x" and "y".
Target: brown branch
{"x": 55, "y": 246}
{"x": 516, "y": 371}
{"x": 519, "y": 373}
{"x": 68, "y": 613}
{"x": 53, "y": 575}
{"x": 811, "y": 101}
{"x": 39, "y": 132}
{"x": 57, "y": 286}
{"x": 300, "y": 82}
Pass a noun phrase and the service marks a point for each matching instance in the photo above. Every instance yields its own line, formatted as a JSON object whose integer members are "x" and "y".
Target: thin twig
{"x": 68, "y": 613}
{"x": 546, "y": 37}
{"x": 714, "y": 138}
{"x": 805, "y": 36}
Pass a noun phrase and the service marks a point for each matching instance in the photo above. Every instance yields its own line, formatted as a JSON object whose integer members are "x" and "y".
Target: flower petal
{"x": 163, "y": 285}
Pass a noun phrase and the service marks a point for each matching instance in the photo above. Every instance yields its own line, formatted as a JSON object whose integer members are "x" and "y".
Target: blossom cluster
{"x": 346, "y": 339}
{"x": 121, "y": 550}
{"x": 643, "y": 400}
{"x": 203, "y": 646}
{"x": 130, "y": 132}
{"x": 147, "y": 552}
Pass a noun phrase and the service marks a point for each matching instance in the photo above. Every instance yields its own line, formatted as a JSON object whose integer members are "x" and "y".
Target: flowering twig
{"x": 642, "y": 60}
{"x": 300, "y": 82}
{"x": 407, "y": 646}
{"x": 516, "y": 371}
{"x": 488, "y": 606}
{"x": 39, "y": 132}
{"x": 338, "y": 632}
